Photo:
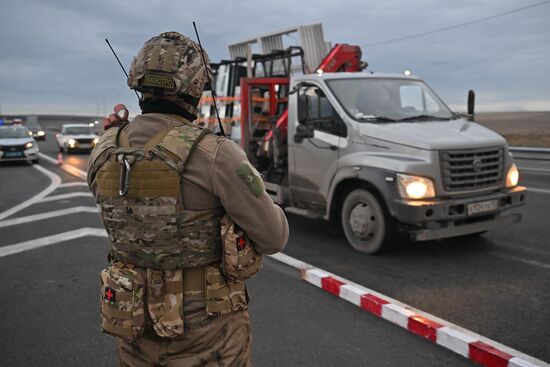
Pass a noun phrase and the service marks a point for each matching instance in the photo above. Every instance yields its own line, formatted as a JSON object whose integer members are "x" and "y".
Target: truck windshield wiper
{"x": 424, "y": 117}
{"x": 376, "y": 118}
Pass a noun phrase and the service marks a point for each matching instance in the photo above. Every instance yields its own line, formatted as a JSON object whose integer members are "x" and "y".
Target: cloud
{"x": 54, "y": 59}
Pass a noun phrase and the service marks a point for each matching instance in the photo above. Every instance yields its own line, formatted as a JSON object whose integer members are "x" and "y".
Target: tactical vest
{"x": 139, "y": 193}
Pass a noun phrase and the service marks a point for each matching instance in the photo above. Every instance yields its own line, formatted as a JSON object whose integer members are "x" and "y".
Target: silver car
{"x": 76, "y": 137}
{"x": 17, "y": 144}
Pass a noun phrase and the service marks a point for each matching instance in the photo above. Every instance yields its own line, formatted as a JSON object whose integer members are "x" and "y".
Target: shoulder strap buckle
{"x": 156, "y": 284}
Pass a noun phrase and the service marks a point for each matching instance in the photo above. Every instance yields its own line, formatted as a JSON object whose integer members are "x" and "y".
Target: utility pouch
{"x": 165, "y": 301}
{"x": 240, "y": 260}
{"x": 223, "y": 297}
{"x": 121, "y": 296}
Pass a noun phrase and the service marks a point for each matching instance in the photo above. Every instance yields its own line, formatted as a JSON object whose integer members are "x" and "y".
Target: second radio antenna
{"x": 211, "y": 86}
{"x": 121, "y": 66}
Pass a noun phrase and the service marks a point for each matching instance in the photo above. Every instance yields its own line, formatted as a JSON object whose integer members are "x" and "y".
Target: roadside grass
{"x": 528, "y": 140}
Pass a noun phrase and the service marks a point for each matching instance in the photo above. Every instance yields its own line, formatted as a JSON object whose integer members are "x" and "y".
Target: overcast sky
{"x": 53, "y": 58}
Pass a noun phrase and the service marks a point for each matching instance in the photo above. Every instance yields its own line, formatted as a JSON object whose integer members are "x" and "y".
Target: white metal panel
{"x": 313, "y": 43}
{"x": 310, "y": 38}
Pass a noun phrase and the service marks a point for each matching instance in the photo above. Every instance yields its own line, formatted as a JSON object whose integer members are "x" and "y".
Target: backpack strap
{"x": 155, "y": 140}
{"x": 121, "y": 139}
{"x": 178, "y": 145}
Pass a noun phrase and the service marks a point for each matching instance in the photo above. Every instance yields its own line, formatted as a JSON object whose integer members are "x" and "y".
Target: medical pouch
{"x": 223, "y": 297}
{"x": 121, "y": 296}
{"x": 165, "y": 301}
{"x": 240, "y": 260}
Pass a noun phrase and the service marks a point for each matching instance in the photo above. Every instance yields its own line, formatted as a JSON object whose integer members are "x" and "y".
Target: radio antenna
{"x": 122, "y": 67}
{"x": 211, "y": 86}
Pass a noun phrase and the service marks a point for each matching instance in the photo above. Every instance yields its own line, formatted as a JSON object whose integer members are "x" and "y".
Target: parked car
{"x": 17, "y": 145}
{"x": 75, "y": 137}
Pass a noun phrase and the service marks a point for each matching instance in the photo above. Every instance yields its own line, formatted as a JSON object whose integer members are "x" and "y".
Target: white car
{"x": 17, "y": 144}
{"x": 76, "y": 137}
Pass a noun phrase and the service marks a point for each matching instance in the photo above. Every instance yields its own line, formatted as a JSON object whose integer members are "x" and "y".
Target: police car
{"x": 76, "y": 137}
{"x": 17, "y": 144}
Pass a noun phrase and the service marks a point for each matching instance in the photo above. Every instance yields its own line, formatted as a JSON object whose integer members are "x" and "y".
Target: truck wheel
{"x": 364, "y": 222}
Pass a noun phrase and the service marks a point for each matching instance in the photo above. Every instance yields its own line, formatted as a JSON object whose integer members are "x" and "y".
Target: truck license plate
{"x": 84, "y": 146}
{"x": 482, "y": 206}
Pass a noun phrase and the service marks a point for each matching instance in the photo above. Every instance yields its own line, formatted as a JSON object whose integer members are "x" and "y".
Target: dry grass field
{"x": 527, "y": 129}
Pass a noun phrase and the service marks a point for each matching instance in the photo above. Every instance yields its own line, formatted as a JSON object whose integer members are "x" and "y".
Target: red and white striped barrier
{"x": 464, "y": 342}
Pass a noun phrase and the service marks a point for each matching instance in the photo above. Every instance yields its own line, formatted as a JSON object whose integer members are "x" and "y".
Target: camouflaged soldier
{"x": 169, "y": 194}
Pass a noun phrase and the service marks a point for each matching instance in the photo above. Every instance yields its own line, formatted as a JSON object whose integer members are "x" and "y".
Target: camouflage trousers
{"x": 224, "y": 341}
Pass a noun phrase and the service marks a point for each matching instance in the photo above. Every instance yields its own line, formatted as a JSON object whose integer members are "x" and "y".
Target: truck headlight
{"x": 512, "y": 177}
{"x": 96, "y": 140}
{"x": 29, "y": 145}
{"x": 71, "y": 142}
{"x": 415, "y": 187}
{"x": 40, "y": 133}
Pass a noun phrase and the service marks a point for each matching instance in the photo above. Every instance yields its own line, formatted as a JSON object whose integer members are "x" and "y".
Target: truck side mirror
{"x": 471, "y": 103}
{"x": 302, "y": 108}
{"x": 303, "y": 131}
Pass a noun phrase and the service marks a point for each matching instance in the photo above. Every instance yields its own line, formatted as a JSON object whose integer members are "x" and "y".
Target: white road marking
{"x": 523, "y": 260}
{"x": 51, "y": 240}
{"x": 48, "y": 215}
{"x": 540, "y": 191}
{"x": 72, "y": 184}
{"x": 55, "y": 181}
{"x": 66, "y": 196}
{"x": 66, "y": 167}
{"x": 514, "y": 246}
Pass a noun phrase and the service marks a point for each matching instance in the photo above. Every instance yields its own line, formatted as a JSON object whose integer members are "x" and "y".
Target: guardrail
{"x": 530, "y": 150}
{"x": 531, "y": 153}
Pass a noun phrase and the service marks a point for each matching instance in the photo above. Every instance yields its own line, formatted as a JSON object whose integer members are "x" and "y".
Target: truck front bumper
{"x": 429, "y": 220}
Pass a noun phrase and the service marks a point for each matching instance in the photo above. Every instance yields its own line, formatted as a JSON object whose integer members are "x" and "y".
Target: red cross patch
{"x": 110, "y": 295}
{"x": 241, "y": 242}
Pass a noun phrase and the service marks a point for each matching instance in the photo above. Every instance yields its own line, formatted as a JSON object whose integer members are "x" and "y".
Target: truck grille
{"x": 472, "y": 168}
{"x": 84, "y": 141}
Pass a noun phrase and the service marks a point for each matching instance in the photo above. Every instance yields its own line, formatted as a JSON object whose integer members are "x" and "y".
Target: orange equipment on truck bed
{"x": 266, "y": 147}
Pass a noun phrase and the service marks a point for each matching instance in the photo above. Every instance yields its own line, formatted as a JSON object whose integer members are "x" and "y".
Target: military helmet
{"x": 171, "y": 64}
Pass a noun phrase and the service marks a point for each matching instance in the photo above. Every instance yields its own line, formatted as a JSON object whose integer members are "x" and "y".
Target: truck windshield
{"x": 389, "y": 100}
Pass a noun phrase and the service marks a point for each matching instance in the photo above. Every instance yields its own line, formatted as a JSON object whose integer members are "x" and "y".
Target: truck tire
{"x": 365, "y": 222}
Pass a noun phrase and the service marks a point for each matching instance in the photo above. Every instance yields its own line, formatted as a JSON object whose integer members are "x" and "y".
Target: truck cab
{"x": 379, "y": 152}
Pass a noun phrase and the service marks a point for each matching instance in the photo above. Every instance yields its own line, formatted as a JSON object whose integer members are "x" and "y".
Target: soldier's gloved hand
{"x": 119, "y": 116}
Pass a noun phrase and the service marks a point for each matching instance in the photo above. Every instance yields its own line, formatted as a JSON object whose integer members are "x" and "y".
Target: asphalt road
{"x": 496, "y": 285}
